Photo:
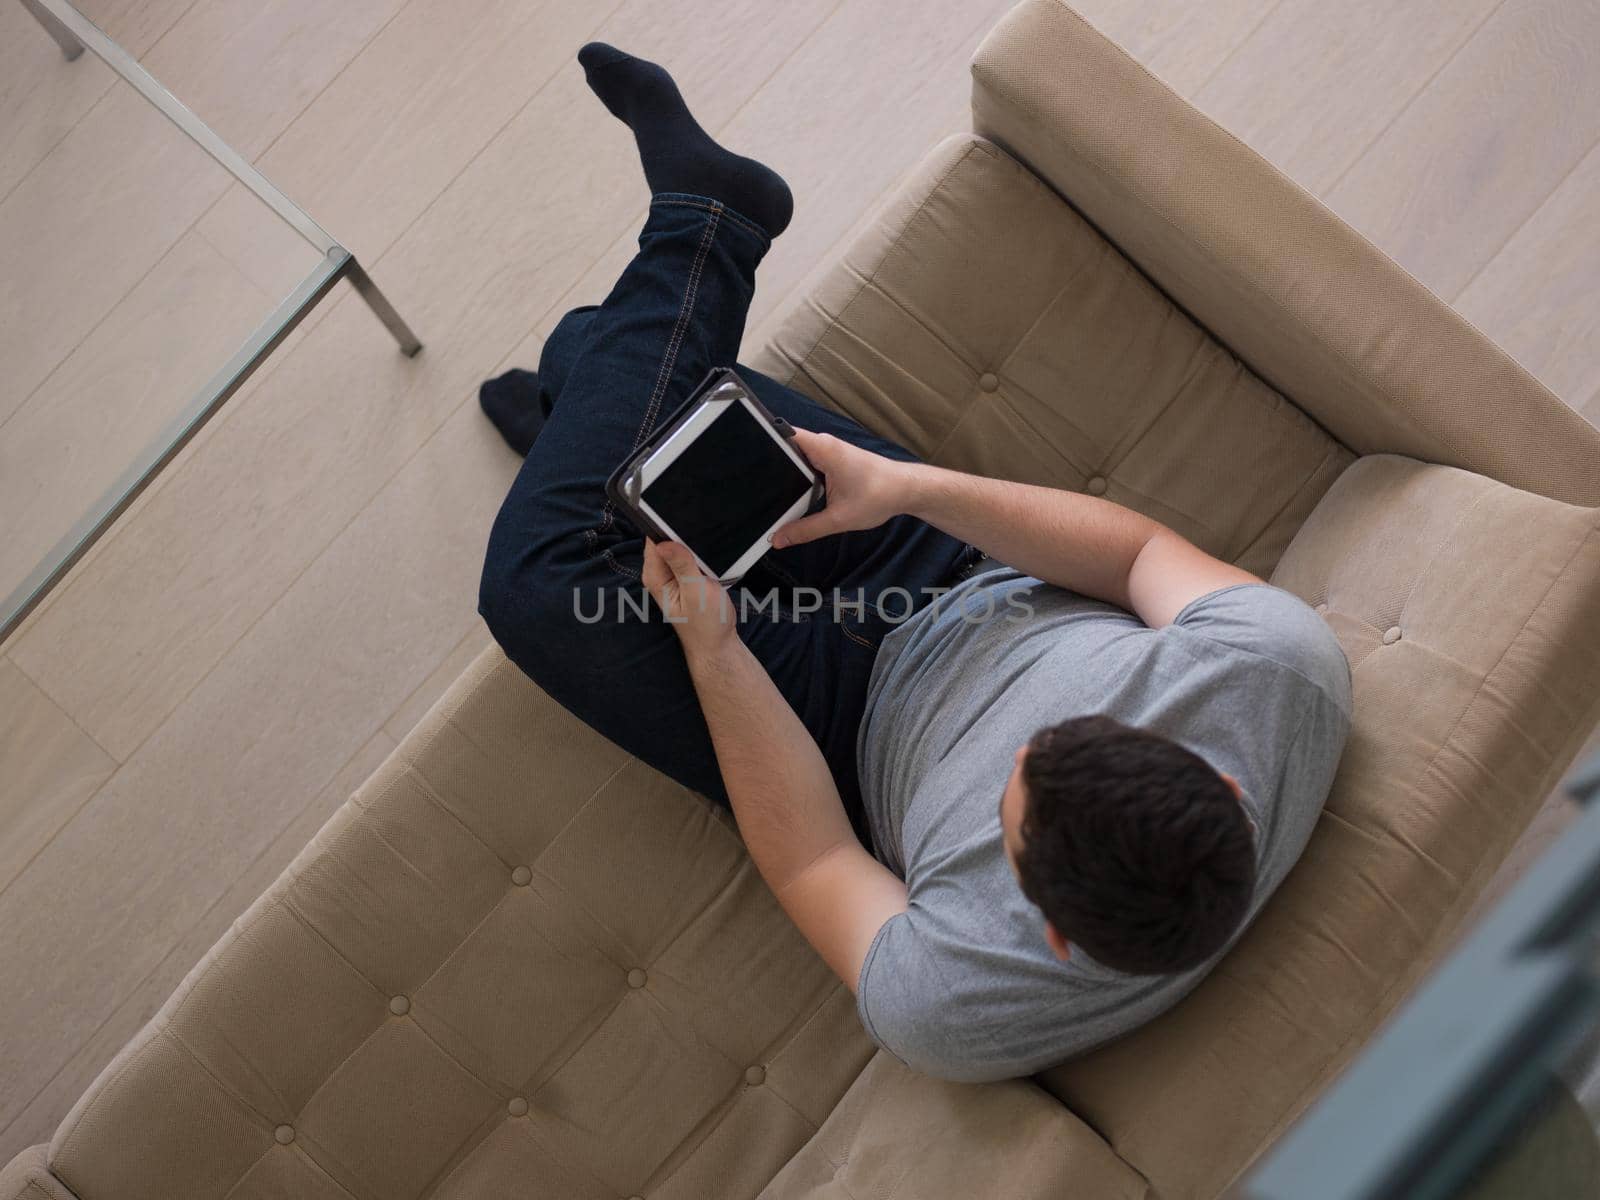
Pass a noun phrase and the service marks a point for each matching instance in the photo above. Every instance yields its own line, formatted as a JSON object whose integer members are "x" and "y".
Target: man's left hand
{"x": 864, "y": 489}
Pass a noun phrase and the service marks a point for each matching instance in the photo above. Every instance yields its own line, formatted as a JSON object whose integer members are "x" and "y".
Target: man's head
{"x": 1134, "y": 848}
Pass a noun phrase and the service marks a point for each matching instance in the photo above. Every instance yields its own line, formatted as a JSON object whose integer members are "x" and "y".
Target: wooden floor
{"x": 178, "y": 720}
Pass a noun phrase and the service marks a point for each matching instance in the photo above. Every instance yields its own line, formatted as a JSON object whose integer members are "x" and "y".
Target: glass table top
{"x": 145, "y": 271}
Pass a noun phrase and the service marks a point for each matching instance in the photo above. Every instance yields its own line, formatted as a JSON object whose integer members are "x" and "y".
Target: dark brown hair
{"x": 1133, "y": 847}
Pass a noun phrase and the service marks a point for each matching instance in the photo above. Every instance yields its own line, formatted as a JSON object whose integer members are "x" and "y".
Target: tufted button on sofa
{"x": 519, "y": 963}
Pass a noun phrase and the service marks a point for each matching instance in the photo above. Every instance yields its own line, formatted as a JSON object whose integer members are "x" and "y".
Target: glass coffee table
{"x": 146, "y": 270}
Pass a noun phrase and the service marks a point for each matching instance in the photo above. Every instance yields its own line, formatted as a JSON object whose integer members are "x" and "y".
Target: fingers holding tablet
{"x": 694, "y": 604}
{"x": 720, "y": 477}
{"x": 864, "y": 489}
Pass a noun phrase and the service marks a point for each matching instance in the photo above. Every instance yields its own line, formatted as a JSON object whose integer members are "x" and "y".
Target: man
{"x": 1079, "y": 774}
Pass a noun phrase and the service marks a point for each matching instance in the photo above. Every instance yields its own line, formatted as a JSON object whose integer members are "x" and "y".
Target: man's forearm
{"x": 1078, "y": 542}
{"x": 783, "y": 794}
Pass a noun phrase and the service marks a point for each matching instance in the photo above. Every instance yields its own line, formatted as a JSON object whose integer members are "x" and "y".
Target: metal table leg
{"x": 380, "y": 306}
{"x": 70, "y": 45}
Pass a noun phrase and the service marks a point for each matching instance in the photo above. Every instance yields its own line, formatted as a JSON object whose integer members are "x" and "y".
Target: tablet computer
{"x": 722, "y": 475}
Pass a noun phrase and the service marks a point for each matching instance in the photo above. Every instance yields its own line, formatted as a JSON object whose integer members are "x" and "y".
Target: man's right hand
{"x": 695, "y": 605}
{"x": 864, "y": 489}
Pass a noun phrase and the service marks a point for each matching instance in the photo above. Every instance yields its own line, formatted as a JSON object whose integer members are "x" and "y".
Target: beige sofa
{"x": 519, "y": 963}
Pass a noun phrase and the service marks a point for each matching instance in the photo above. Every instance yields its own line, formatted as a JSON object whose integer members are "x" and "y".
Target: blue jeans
{"x": 559, "y": 553}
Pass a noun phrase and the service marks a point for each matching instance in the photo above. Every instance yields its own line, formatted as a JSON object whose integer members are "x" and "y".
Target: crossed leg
{"x": 559, "y": 553}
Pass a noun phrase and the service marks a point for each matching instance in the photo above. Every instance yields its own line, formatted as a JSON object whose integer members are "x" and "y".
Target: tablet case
{"x": 623, "y": 486}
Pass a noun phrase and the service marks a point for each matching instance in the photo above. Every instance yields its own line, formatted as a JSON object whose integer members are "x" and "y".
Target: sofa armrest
{"x": 28, "y": 1177}
{"x": 1309, "y": 304}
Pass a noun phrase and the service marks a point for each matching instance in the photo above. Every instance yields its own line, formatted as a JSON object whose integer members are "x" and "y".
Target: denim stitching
{"x": 592, "y": 540}
{"x": 716, "y": 206}
{"x": 856, "y": 637}
{"x": 669, "y": 359}
{"x": 668, "y": 363}
{"x": 619, "y": 567}
{"x": 785, "y": 577}
{"x": 748, "y": 225}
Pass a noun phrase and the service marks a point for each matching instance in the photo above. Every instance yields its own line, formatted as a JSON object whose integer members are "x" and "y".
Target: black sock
{"x": 511, "y": 401}
{"x": 677, "y": 154}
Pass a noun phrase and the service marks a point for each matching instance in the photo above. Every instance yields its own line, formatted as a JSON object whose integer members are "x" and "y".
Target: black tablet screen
{"x": 727, "y": 488}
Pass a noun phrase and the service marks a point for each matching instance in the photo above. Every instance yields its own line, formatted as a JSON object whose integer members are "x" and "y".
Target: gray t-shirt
{"x": 963, "y": 985}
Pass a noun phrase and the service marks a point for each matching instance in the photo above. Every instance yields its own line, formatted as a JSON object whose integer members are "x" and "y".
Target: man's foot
{"x": 511, "y": 401}
{"x": 678, "y": 155}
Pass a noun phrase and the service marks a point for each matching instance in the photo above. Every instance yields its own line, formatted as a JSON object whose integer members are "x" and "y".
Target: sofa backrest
{"x": 1309, "y": 304}
{"x": 984, "y": 324}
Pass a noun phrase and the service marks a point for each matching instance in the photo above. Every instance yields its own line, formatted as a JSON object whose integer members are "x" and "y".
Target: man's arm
{"x": 1091, "y": 546}
{"x": 783, "y": 795}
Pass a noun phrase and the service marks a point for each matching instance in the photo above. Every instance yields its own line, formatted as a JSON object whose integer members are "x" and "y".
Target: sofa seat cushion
{"x": 985, "y": 325}
{"x": 900, "y": 1134}
{"x": 516, "y": 955}
{"x": 1468, "y": 611}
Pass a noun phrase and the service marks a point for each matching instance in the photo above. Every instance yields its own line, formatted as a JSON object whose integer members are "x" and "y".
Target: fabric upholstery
{"x": 516, "y": 954}
{"x": 1312, "y": 306}
{"x": 518, "y": 962}
{"x": 985, "y": 325}
{"x": 919, "y": 1135}
{"x": 1467, "y": 610}
{"x": 28, "y": 1177}
{"x": 1464, "y": 718}
{"x": 1552, "y": 1155}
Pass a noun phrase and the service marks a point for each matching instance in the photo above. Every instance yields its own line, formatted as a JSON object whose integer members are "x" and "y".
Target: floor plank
{"x": 52, "y": 768}
{"x": 244, "y": 741}
{"x": 117, "y": 392}
{"x": 806, "y": 120}
{"x": 1316, "y": 83}
{"x": 346, "y": 645}
{"x": 172, "y": 589}
{"x": 391, "y": 132}
{"x": 37, "y": 1119}
{"x": 119, "y": 189}
{"x": 1183, "y": 43}
{"x": 798, "y": 122}
{"x": 1538, "y": 295}
{"x": 261, "y": 245}
{"x": 415, "y": 706}
{"x": 1476, "y": 153}
{"x": 136, "y": 25}
{"x": 42, "y": 95}
{"x": 288, "y": 51}
{"x": 194, "y": 447}
{"x": 83, "y": 245}
{"x": 369, "y": 155}
{"x": 122, "y": 646}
